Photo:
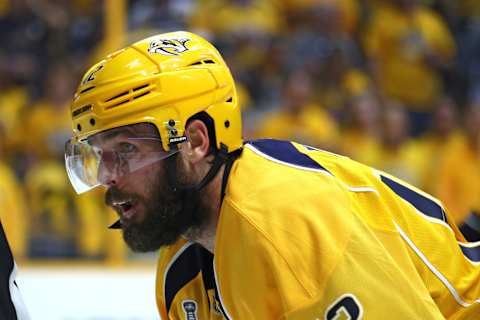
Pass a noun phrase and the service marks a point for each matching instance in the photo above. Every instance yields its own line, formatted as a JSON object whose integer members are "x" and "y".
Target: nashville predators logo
{"x": 168, "y": 47}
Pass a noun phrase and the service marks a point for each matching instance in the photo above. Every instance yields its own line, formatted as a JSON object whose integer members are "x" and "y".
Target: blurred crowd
{"x": 394, "y": 84}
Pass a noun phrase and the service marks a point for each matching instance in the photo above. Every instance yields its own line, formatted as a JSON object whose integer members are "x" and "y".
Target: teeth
{"x": 119, "y": 203}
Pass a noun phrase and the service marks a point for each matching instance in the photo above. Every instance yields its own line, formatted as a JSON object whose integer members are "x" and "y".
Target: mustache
{"x": 114, "y": 194}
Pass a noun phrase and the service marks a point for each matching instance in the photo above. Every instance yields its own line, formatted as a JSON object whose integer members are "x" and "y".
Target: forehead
{"x": 137, "y": 130}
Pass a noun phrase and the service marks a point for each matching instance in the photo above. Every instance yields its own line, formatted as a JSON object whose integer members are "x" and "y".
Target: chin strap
{"x": 171, "y": 169}
{"x": 220, "y": 158}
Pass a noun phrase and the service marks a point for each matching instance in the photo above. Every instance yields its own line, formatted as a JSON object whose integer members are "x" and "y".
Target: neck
{"x": 205, "y": 236}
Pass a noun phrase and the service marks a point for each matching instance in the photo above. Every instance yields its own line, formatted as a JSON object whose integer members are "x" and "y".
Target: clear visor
{"x": 110, "y": 155}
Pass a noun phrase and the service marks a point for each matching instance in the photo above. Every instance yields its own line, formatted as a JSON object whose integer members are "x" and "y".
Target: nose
{"x": 107, "y": 172}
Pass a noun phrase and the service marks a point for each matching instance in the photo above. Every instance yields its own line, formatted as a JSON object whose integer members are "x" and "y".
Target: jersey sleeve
{"x": 448, "y": 265}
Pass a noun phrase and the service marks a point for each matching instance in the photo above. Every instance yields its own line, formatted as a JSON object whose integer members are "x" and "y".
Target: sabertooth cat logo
{"x": 190, "y": 309}
{"x": 168, "y": 47}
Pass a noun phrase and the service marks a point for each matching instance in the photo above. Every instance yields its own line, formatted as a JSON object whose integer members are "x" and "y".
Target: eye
{"x": 126, "y": 148}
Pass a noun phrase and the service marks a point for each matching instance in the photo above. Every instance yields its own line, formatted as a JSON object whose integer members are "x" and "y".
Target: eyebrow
{"x": 111, "y": 134}
{"x": 105, "y": 136}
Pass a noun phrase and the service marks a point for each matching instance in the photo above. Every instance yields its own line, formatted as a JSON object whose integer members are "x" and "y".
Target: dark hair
{"x": 208, "y": 121}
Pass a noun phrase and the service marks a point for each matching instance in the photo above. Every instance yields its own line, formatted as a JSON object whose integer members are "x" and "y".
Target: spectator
{"x": 300, "y": 119}
{"x": 407, "y": 44}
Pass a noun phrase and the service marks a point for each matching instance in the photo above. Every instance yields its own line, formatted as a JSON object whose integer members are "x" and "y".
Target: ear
{"x": 198, "y": 142}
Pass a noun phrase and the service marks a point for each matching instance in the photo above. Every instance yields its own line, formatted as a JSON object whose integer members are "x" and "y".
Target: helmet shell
{"x": 163, "y": 80}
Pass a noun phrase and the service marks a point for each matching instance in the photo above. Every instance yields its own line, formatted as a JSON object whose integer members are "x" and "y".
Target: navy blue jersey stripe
{"x": 186, "y": 267}
{"x": 182, "y": 271}
{"x": 471, "y": 253}
{"x": 286, "y": 152}
{"x": 421, "y": 203}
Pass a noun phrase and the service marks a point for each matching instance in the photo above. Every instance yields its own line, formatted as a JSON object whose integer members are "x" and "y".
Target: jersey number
{"x": 347, "y": 305}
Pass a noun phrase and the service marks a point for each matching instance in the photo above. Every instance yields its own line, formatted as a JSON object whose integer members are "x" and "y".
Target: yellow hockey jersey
{"x": 307, "y": 234}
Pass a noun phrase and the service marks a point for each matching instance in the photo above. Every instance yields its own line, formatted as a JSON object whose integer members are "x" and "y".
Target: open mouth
{"x": 125, "y": 209}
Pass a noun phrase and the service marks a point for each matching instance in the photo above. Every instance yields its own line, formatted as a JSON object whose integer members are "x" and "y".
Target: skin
{"x": 156, "y": 218}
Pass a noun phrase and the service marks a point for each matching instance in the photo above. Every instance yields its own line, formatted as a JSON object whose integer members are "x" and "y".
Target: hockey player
{"x": 261, "y": 229}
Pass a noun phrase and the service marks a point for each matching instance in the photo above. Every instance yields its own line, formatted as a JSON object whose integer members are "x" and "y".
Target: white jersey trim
{"x": 260, "y": 153}
{"x": 434, "y": 270}
{"x": 226, "y": 313}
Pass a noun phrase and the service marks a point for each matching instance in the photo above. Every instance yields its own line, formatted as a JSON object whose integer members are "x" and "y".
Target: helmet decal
{"x": 168, "y": 47}
{"x": 91, "y": 75}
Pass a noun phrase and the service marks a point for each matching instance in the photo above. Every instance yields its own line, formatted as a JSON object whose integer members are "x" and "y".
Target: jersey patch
{"x": 347, "y": 305}
{"x": 190, "y": 308}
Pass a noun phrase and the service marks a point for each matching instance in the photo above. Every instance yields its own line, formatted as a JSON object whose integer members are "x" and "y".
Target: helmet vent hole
{"x": 140, "y": 87}
{"x": 127, "y": 96}
{"x": 117, "y": 96}
{"x": 230, "y": 99}
{"x": 209, "y": 61}
{"x": 81, "y": 110}
{"x": 141, "y": 95}
{"x": 87, "y": 89}
{"x": 92, "y": 121}
{"x": 227, "y": 123}
{"x": 79, "y": 127}
{"x": 196, "y": 63}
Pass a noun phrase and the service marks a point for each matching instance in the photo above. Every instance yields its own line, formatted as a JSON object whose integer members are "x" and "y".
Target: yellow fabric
{"x": 92, "y": 232}
{"x": 291, "y": 243}
{"x": 335, "y": 94}
{"x": 459, "y": 178}
{"x": 46, "y": 129}
{"x": 57, "y": 211}
{"x": 431, "y": 148}
{"x": 312, "y": 125}
{"x": 360, "y": 146}
{"x": 399, "y": 44}
{"x": 12, "y": 103}
{"x": 13, "y": 212}
{"x": 356, "y": 82}
{"x": 406, "y": 161}
{"x": 260, "y": 16}
{"x": 193, "y": 290}
{"x": 50, "y": 199}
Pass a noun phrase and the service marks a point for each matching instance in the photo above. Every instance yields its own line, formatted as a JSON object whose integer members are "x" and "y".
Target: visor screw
{"x": 79, "y": 127}
{"x": 171, "y": 123}
{"x": 92, "y": 121}
{"x": 227, "y": 124}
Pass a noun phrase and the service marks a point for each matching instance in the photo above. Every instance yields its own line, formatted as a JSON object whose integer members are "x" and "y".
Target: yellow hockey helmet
{"x": 163, "y": 80}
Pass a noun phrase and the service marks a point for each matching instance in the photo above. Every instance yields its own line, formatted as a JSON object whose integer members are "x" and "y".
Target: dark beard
{"x": 169, "y": 213}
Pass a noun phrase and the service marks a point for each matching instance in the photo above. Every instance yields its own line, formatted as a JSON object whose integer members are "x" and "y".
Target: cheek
{"x": 144, "y": 179}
